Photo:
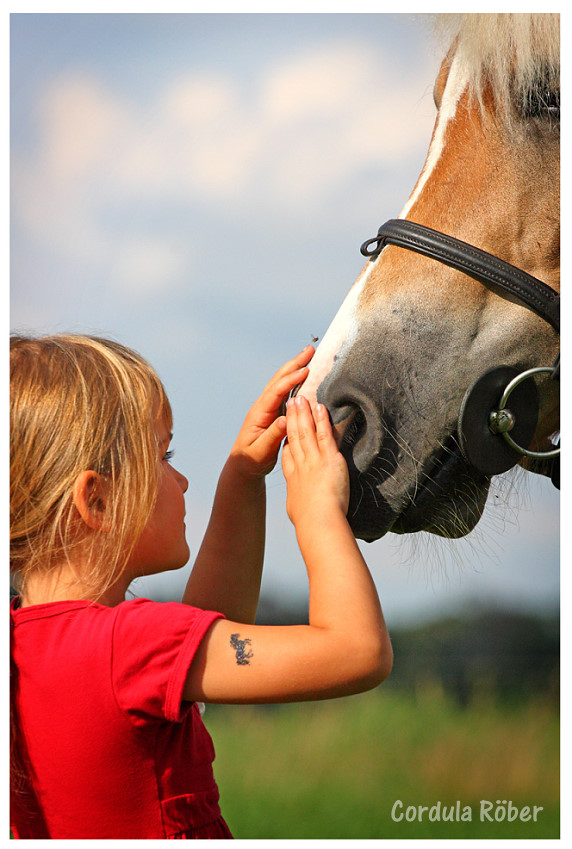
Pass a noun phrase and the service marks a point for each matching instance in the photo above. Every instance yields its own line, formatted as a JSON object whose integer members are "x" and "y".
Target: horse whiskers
{"x": 392, "y": 459}
{"x": 476, "y": 542}
{"x": 355, "y": 512}
{"x": 417, "y": 465}
{"x": 372, "y": 488}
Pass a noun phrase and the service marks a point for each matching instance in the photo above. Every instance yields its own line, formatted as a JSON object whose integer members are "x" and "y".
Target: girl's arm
{"x": 227, "y": 572}
{"x": 345, "y": 648}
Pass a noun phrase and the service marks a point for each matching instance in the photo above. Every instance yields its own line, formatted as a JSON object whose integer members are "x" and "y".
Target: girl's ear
{"x": 90, "y": 499}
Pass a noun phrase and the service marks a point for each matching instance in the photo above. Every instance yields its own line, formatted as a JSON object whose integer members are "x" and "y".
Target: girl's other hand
{"x": 315, "y": 471}
{"x": 258, "y": 442}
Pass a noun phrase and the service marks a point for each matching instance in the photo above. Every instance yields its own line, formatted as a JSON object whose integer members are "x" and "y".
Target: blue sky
{"x": 197, "y": 186}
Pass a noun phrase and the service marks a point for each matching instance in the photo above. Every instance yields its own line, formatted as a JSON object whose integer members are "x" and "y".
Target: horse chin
{"x": 447, "y": 500}
{"x": 450, "y": 504}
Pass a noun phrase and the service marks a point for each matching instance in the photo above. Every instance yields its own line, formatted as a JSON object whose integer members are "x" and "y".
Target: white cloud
{"x": 81, "y": 125}
{"x": 286, "y": 142}
{"x": 320, "y": 83}
{"x": 148, "y": 266}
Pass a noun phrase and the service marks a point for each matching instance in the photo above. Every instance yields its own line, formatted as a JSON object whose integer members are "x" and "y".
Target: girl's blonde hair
{"x": 80, "y": 403}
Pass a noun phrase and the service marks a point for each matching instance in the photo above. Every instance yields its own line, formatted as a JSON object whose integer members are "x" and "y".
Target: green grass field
{"x": 335, "y": 769}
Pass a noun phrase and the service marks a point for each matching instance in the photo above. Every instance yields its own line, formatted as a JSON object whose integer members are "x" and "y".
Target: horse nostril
{"x": 342, "y": 420}
{"x": 356, "y": 429}
{"x": 364, "y": 439}
{"x": 359, "y": 432}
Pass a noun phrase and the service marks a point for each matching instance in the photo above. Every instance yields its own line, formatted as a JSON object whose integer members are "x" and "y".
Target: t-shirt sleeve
{"x": 153, "y": 646}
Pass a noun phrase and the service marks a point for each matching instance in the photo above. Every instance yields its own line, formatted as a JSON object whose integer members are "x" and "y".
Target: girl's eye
{"x": 169, "y": 456}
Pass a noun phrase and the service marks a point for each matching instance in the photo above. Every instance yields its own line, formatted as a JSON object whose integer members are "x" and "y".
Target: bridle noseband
{"x": 491, "y": 434}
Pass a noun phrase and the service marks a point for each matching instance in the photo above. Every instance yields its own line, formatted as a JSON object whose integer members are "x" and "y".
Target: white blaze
{"x": 340, "y": 335}
{"x": 457, "y": 81}
{"x": 343, "y": 330}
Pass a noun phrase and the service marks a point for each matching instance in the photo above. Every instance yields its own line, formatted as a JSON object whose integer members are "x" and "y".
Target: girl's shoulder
{"x": 138, "y": 626}
{"x": 139, "y": 651}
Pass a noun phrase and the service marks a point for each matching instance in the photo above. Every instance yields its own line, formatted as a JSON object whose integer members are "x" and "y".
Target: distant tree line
{"x": 504, "y": 654}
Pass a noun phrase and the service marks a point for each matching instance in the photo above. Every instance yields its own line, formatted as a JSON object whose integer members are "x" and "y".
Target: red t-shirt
{"x": 115, "y": 751}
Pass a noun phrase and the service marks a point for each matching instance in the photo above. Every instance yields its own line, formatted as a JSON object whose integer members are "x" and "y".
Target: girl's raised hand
{"x": 258, "y": 442}
{"x": 315, "y": 471}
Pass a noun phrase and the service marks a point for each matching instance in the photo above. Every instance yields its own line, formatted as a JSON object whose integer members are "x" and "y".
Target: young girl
{"x": 107, "y": 738}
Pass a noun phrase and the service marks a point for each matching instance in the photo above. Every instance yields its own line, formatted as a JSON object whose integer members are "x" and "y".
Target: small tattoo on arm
{"x": 243, "y": 654}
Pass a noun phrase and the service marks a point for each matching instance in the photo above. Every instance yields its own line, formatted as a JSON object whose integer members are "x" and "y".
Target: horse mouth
{"x": 451, "y": 498}
{"x": 447, "y": 498}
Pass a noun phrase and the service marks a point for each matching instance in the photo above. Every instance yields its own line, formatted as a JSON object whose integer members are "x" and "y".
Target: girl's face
{"x": 162, "y": 546}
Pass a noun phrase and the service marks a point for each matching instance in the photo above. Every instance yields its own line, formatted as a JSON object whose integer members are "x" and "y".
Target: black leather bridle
{"x": 491, "y": 434}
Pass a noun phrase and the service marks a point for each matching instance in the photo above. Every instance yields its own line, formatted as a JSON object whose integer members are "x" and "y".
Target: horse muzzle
{"x": 493, "y": 436}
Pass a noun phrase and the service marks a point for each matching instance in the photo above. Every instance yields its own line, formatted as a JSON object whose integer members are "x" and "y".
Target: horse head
{"x": 413, "y": 333}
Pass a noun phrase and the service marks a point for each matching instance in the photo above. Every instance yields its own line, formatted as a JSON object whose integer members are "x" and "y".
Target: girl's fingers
{"x": 324, "y": 432}
{"x": 295, "y": 449}
{"x": 301, "y": 429}
{"x": 275, "y": 394}
{"x": 274, "y": 397}
{"x": 300, "y": 361}
{"x": 268, "y": 443}
{"x": 287, "y": 461}
{"x": 276, "y": 390}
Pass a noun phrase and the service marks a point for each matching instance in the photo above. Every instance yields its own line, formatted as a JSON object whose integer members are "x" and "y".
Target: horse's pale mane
{"x": 516, "y": 54}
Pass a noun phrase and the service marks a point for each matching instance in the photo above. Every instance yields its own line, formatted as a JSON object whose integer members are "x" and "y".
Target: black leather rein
{"x": 478, "y": 264}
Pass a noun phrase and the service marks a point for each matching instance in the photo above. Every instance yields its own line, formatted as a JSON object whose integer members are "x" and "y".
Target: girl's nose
{"x": 181, "y": 480}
